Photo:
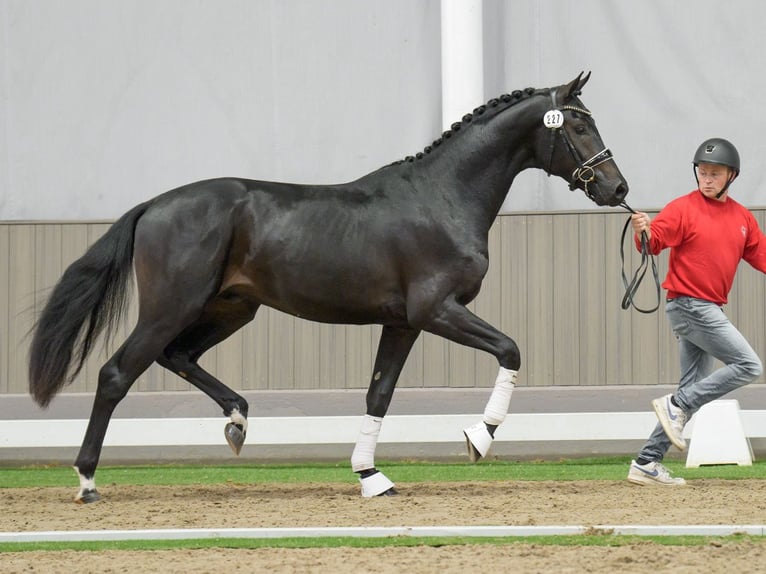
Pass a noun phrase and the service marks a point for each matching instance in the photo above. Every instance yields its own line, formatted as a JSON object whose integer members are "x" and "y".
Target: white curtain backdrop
{"x": 667, "y": 74}
{"x": 105, "y": 103}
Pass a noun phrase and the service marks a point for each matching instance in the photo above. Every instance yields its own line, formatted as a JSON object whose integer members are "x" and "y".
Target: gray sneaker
{"x": 672, "y": 418}
{"x": 652, "y": 473}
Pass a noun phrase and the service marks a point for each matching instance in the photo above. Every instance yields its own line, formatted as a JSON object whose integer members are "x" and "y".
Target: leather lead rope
{"x": 646, "y": 259}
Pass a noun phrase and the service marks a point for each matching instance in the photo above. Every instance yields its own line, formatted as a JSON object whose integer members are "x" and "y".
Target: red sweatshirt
{"x": 707, "y": 240}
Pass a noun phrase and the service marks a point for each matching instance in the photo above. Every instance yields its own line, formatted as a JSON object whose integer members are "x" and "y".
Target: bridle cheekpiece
{"x": 584, "y": 172}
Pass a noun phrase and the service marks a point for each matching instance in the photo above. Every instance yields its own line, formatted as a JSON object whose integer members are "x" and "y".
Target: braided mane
{"x": 495, "y": 104}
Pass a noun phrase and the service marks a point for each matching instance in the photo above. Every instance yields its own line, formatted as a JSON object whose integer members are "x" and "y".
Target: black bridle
{"x": 646, "y": 258}
{"x": 585, "y": 172}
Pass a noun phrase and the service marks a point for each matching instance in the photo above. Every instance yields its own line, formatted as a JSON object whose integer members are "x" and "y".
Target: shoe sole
{"x": 638, "y": 481}
{"x": 645, "y": 481}
{"x": 659, "y": 410}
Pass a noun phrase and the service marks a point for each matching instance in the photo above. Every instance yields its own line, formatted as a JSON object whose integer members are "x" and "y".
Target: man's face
{"x": 713, "y": 178}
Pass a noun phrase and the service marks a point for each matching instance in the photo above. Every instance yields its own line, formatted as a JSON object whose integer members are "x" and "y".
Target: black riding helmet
{"x": 717, "y": 151}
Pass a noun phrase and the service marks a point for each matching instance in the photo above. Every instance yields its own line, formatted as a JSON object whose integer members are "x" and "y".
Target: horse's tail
{"x": 91, "y": 296}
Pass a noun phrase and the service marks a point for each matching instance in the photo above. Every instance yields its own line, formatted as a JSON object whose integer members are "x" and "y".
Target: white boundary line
{"x": 381, "y": 532}
{"x": 38, "y": 433}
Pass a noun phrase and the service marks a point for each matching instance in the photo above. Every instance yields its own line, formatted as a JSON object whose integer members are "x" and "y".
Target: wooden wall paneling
{"x": 255, "y": 349}
{"x": 331, "y": 368}
{"x": 553, "y": 286}
{"x": 359, "y": 356}
{"x": 592, "y": 295}
{"x": 618, "y": 332}
{"x": 539, "y": 352}
{"x": 567, "y": 294}
{"x": 281, "y": 351}
{"x": 21, "y": 297}
{"x": 413, "y": 374}
{"x": 436, "y": 365}
{"x": 514, "y": 274}
{"x": 307, "y": 349}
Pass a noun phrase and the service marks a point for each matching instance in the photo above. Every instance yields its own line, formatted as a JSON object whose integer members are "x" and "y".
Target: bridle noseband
{"x": 584, "y": 172}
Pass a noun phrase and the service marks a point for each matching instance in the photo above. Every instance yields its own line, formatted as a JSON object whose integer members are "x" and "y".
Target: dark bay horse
{"x": 404, "y": 247}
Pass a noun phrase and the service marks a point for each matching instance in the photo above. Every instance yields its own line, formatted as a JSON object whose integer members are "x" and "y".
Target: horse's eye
{"x": 580, "y": 129}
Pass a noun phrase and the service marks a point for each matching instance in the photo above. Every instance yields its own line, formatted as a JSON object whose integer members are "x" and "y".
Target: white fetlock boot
{"x": 374, "y": 482}
{"x": 477, "y": 441}
{"x": 477, "y": 437}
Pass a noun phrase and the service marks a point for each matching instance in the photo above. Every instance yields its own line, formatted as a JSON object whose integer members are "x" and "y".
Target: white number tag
{"x": 553, "y": 119}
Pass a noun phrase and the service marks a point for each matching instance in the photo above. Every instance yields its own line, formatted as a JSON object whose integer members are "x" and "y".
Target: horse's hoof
{"x": 235, "y": 436}
{"x": 87, "y": 496}
{"x": 390, "y": 492}
{"x": 477, "y": 441}
{"x": 473, "y": 454}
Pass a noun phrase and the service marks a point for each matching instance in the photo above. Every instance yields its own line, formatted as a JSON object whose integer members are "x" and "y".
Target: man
{"x": 708, "y": 233}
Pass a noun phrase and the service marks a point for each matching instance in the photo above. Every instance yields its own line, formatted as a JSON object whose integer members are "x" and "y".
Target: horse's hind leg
{"x": 221, "y": 318}
{"x": 393, "y": 349}
{"x": 114, "y": 380}
{"x": 160, "y": 321}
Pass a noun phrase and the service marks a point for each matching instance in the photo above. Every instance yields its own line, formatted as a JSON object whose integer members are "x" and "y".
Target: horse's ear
{"x": 574, "y": 88}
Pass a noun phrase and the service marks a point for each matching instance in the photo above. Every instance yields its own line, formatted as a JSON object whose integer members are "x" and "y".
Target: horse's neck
{"x": 484, "y": 160}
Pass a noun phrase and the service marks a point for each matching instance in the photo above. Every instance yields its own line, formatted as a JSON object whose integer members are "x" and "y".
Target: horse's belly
{"x": 348, "y": 311}
{"x": 337, "y": 305}
{"x": 336, "y": 289}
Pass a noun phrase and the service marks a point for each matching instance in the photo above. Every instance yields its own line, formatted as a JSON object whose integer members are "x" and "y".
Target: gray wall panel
{"x": 553, "y": 285}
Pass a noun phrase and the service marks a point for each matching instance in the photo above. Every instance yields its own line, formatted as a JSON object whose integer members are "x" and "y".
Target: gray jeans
{"x": 704, "y": 334}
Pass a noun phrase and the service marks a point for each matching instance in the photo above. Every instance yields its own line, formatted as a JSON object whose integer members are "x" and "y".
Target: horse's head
{"x": 571, "y": 147}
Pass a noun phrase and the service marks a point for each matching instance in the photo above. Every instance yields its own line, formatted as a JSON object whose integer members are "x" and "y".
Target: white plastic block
{"x": 718, "y": 437}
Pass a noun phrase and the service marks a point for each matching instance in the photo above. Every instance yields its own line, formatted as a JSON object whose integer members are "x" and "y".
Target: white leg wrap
{"x": 363, "y": 456}
{"x": 375, "y": 485}
{"x": 500, "y": 399}
{"x": 477, "y": 437}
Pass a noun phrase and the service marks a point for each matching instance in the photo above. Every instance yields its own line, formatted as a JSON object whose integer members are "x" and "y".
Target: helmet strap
{"x": 732, "y": 177}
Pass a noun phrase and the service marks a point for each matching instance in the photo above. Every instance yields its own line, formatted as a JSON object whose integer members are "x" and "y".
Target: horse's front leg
{"x": 479, "y": 437}
{"x": 456, "y": 323}
{"x": 393, "y": 349}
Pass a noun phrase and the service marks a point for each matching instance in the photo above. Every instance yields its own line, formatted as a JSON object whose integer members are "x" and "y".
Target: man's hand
{"x": 640, "y": 222}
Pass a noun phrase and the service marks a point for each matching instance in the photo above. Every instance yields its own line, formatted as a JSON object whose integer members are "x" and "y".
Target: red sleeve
{"x": 755, "y": 245}
{"x": 667, "y": 229}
